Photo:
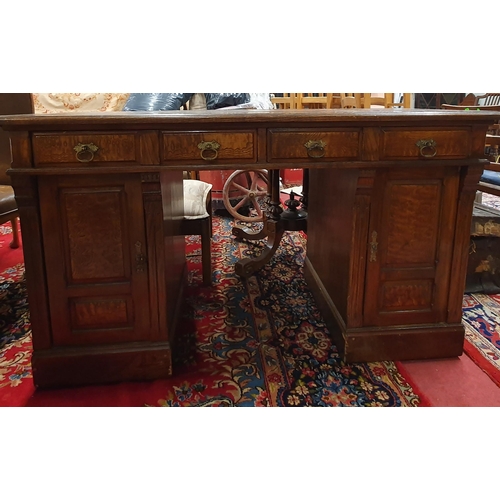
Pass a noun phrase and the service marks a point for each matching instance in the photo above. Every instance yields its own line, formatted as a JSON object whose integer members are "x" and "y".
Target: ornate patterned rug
{"x": 481, "y": 319}
{"x": 15, "y": 337}
{"x": 491, "y": 200}
{"x": 263, "y": 342}
{"x": 255, "y": 342}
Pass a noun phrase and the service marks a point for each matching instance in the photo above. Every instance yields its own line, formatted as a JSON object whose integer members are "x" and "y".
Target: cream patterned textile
{"x": 84, "y": 103}
{"x": 195, "y": 199}
{"x": 100, "y": 102}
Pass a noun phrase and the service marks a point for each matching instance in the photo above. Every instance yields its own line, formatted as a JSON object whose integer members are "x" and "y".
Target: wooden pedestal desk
{"x": 100, "y": 198}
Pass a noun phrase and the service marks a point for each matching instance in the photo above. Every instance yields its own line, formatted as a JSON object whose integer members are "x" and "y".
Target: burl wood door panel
{"x": 95, "y": 245}
{"x": 410, "y": 245}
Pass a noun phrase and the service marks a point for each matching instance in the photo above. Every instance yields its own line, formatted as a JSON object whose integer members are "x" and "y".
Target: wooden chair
{"x": 405, "y": 101}
{"x": 488, "y": 100}
{"x": 369, "y": 100}
{"x": 198, "y": 220}
{"x": 387, "y": 100}
{"x": 490, "y": 180}
{"x": 472, "y": 100}
{"x": 306, "y": 100}
{"x": 314, "y": 101}
{"x": 10, "y": 104}
{"x": 469, "y": 100}
{"x": 284, "y": 101}
{"x": 350, "y": 101}
{"x": 469, "y": 107}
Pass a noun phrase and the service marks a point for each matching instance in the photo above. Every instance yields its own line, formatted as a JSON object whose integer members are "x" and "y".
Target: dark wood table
{"x": 100, "y": 198}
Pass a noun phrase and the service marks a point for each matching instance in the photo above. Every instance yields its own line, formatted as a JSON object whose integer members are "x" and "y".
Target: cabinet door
{"x": 95, "y": 248}
{"x": 410, "y": 244}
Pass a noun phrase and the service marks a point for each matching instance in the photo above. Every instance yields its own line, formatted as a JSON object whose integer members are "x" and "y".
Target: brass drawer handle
{"x": 427, "y": 144}
{"x": 315, "y": 149}
{"x": 209, "y": 150}
{"x": 85, "y": 152}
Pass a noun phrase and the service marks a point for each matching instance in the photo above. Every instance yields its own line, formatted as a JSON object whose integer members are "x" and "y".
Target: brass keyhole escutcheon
{"x": 141, "y": 261}
{"x": 209, "y": 150}
{"x": 374, "y": 247}
{"x": 315, "y": 149}
{"x": 85, "y": 152}
{"x": 427, "y": 148}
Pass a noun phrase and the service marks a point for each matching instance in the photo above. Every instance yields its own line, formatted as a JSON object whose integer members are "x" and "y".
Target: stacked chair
{"x": 338, "y": 100}
{"x": 490, "y": 180}
{"x": 10, "y": 104}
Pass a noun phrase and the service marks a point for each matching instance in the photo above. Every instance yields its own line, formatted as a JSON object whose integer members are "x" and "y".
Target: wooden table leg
{"x": 274, "y": 232}
{"x": 275, "y": 226}
{"x": 249, "y": 234}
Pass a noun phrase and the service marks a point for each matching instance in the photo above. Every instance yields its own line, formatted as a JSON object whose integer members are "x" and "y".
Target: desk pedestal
{"x": 387, "y": 270}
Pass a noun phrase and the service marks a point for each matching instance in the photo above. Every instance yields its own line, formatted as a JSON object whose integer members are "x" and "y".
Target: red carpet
{"x": 243, "y": 343}
{"x": 482, "y": 329}
{"x": 451, "y": 382}
{"x": 9, "y": 257}
{"x": 482, "y": 322}
{"x": 454, "y": 382}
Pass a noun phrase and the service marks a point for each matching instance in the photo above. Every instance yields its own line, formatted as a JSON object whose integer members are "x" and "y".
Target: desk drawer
{"x": 313, "y": 145}
{"x": 209, "y": 147}
{"x": 424, "y": 143}
{"x": 64, "y": 149}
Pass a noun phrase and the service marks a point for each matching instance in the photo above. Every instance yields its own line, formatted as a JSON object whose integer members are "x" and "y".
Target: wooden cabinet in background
{"x": 435, "y": 101}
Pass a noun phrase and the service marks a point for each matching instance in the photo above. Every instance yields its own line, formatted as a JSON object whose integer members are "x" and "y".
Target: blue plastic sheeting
{"x": 156, "y": 102}
{"x": 491, "y": 177}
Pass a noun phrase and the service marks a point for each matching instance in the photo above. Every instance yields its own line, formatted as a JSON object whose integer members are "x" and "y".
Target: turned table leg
{"x": 276, "y": 222}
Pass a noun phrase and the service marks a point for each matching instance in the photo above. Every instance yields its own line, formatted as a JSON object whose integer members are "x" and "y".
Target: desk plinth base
{"x": 394, "y": 343}
{"x": 66, "y": 367}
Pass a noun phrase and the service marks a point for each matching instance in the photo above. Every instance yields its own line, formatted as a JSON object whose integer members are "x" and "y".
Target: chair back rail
{"x": 488, "y": 99}
{"x": 490, "y": 180}
{"x": 11, "y": 104}
{"x": 338, "y": 100}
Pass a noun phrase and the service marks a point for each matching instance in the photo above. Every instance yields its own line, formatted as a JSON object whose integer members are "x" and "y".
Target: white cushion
{"x": 195, "y": 199}
{"x": 261, "y": 101}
